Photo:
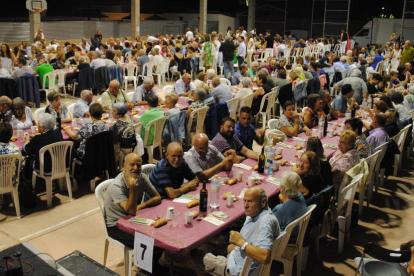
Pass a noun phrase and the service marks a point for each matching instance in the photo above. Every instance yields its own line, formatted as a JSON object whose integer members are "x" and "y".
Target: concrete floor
{"x": 78, "y": 225}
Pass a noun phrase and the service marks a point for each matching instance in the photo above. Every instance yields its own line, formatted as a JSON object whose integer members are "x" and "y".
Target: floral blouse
{"x": 286, "y": 122}
{"x": 118, "y": 129}
{"x": 344, "y": 161}
{"x": 88, "y": 130}
{"x": 362, "y": 147}
{"x": 8, "y": 148}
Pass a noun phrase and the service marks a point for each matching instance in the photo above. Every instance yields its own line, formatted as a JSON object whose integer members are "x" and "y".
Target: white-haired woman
{"x": 46, "y": 135}
{"x": 293, "y": 204}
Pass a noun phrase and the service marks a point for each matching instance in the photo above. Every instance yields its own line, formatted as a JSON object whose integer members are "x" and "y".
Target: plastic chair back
{"x": 39, "y": 112}
{"x": 9, "y": 165}
{"x": 130, "y": 95}
{"x": 168, "y": 89}
{"x": 52, "y": 80}
{"x": 71, "y": 108}
{"x": 225, "y": 81}
{"x": 274, "y": 133}
{"x": 233, "y": 104}
{"x": 131, "y": 70}
{"x": 147, "y": 69}
{"x": 272, "y": 123}
{"x": 58, "y": 154}
{"x": 201, "y": 116}
{"x": 246, "y": 101}
{"x": 138, "y": 127}
{"x": 383, "y": 148}
{"x": 100, "y": 193}
{"x": 147, "y": 169}
{"x": 158, "y": 125}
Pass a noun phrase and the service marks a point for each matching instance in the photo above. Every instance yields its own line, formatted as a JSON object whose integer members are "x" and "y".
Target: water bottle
{"x": 321, "y": 124}
{"x": 269, "y": 160}
{"x": 13, "y": 122}
{"x": 266, "y": 153}
{"x": 215, "y": 193}
{"x": 364, "y": 104}
{"x": 347, "y": 114}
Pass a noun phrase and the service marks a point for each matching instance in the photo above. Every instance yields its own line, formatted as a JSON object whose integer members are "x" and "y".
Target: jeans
{"x": 228, "y": 65}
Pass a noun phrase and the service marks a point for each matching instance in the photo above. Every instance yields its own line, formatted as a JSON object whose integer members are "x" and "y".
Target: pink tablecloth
{"x": 186, "y": 238}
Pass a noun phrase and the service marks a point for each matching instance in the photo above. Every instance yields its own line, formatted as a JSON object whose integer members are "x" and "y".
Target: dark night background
{"x": 299, "y": 10}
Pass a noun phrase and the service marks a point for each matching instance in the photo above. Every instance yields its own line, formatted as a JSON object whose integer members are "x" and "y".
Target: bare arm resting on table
{"x": 185, "y": 188}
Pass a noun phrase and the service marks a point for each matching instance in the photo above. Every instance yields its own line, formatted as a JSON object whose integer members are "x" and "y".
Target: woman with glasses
{"x": 24, "y": 118}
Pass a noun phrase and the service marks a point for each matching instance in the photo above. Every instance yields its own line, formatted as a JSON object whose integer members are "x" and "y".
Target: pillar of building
{"x": 34, "y": 18}
{"x": 203, "y": 17}
{"x": 251, "y": 15}
{"x": 135, "y": 19}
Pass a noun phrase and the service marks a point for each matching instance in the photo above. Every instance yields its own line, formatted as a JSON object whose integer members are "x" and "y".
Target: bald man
{"x": 169, "y": 174}
{"x": 124, "y": 197}
{"x": 114, "y": 94}
{"x": 206, "y": 160}
{"x": 255, "y": 239}
{"x": 183, "y": 87}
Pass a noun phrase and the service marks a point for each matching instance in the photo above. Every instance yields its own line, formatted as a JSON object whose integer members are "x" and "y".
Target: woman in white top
{"x": 250, "y": 49}
{"x": 24, "y": 118}
{"x": 395, "y": 56}
{"x": 7, "y": 57}
{"x": 215, "y": 45}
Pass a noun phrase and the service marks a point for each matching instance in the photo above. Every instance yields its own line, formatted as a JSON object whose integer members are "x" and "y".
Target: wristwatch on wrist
{"x": 243, "y": 247}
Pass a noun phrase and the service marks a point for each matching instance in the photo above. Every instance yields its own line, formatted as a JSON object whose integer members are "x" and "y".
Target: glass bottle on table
{"x": 262, "y": 160}
{"x": 203, "y": 200}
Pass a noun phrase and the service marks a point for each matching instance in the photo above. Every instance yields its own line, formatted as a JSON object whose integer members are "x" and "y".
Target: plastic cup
{"x": 320, "y": 134}
{"x": 34, "y": 129}
{"x": 250, "y": 181}
{"x": 276, "y": 165}
{"x": 20, "y": 133}
{"x": 279, "y": 151}
{"x": 239, "y": 176}
{"x": 74, "y": 123}
{"x": 300, "y": 153}
{"x": 343, "y": 127}
{"x": 230, "y": 200}
{"x": 174, "y": 219}
{"x": 303, "y": 143}
{"x": 170, "y": 212}
{"x": 334, "y": 125}
{"x": 331, "y": 133}
{"x": 189, "y": 218}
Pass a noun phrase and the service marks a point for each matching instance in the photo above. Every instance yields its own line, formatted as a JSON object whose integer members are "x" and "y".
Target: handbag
{"x": 128, "y": 142}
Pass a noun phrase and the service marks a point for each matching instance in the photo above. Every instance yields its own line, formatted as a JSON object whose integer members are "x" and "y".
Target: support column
{"x": 34, "y": 19}
{"x": 251, "y": 16}
{"x": 135, "y": 19}
{"x": 202, "y": 27}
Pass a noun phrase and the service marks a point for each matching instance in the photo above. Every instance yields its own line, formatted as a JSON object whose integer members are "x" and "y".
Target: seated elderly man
{"x": 254, "y": 69}
{"x": 48, "y": 135}
{"x": 226, "y": 140}
{"x": 184, "y": 87}
{"x": 206, "y": 160}
{"x": 143, "y": 91}
{"x": 81, "y": 108}
{"x": 97, "y": 61}
{"x": 255, "y": 239}
{"x": 246, "y": 90}
{"x": 154, "y": 112}
{"x": 378, "y": 135}
{"x": 169, "y": 174}
{"x": 245, "y": 130}
{"x": 23, "y": 69}
{"x": 357, "y": 83}
{"x": 239, "y": 75}
{"x": 221, "y": 92}
{"x": 5, "y": 108}
{"x": 114, "y": 94}
{"x": 124, "y": 197}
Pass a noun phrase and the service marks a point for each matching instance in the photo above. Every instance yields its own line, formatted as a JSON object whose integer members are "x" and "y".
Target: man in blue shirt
{"x": 255, "y": 239}
{"x": 245, "y": 131}
{"x": 241, "y": 51}
{"x": 240, "y": 74}
{"x": 378, "y": 58}
{"x": 340, "y": 104}
{"x": 168, "y": 175}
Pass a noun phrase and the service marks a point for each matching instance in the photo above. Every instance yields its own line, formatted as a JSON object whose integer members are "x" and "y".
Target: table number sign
{"x": 143, "y": 248}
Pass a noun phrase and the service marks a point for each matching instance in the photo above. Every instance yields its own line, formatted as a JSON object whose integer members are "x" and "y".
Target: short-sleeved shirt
{"x": 357, "y": 84}
{"x": 180, "y": 87}
{"x": 377, "y": 137}
{"x": 223, "y": 144}
{"x": 260, "y": 231}
{"x": 344, "y": 161}
{"x": 245, "y": 134}
{"x": 222, "y": 93}
{"x": 21, "y": 71}
{"x": 286, "y": 122}
{"x": 243, "y": 93}
{"x": 376, "y": 59}
{"x": 43, "y": 70}
{"x": 198, "y": 163}
{"x": 81, "y": 107}
{"x": 141, "y": 62}
{"x": 141, "y": 94}
{"x": 118, "y": 192}
{"x": 340, "y": 103}
{"x": 166, "y": 176}
{"x": 97, "y": 63}
{"x": 29, "y": 119}
{"x": 146, "y": 118}
{"x": 108, "y": 98}
{"x": 88, "y": 130}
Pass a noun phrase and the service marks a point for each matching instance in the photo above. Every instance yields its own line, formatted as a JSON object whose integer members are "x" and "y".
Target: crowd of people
{"x": 353, "y": 73}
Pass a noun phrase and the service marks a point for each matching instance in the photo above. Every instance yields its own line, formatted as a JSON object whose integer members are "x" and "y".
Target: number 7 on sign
{"x": 143, "y": 248}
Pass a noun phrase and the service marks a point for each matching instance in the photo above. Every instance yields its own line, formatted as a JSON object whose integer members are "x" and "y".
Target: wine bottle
{"x": 325, "y": 126}
{"x": 262, "y": 160}
{"x": 203, "y": 200}
{"x": 353, "y": 111}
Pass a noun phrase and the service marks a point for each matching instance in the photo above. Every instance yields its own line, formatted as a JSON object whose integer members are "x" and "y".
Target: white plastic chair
{"x": 168, "y": 89}
{"x": 269, "y": 98}
{"x": 9, "y": 167}
{"x": 52, "y": 83}
{"x": 100, "y": 193}
{"x": 400, "y": 140}
{"x": 272, "y": 123}
{"x": 344, "y": 222}
{"x": 138, "y": 127}
{"x": 130, "y": 74}
{"x": 147, "y": 169}
{"x": 225, "y": 81}
{"x": 264, "y": 269}
{"x": 147, "y": 70}
{"x": 124, "y": 151}
{"x": 130, "y": 95}
{"x": 233, "y": 105}
{"x": 62, "y": 81}
{"x": 71, "y": 108}
{"x": 295, "y": 250}
{"x": 246, "y": 101}
{"x": 377, "y": 171}
{"x": 39, "y": 112}
{"x": 158, "y": 125}
{"x": 371, "y": 161}
{"x": 58, "y": 154}
{"x": 200, "y": 113}
{"x": 274, "y": 133}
